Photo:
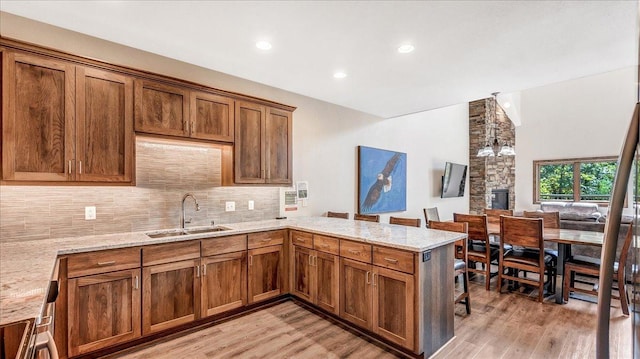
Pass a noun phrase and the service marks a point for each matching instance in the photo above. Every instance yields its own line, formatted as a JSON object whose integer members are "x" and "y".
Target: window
{"x": 578, "y": 179}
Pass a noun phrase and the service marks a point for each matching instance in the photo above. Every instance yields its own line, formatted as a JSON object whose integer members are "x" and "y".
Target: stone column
{"x": 487, "y": 173}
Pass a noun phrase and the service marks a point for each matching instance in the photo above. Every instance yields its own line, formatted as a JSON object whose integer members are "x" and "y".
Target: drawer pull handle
{"x": 375, "y": 281}
{"x": 300, "y": 239}
{"x": 367, "y": 276}
{"x": 198, "y": 271}
{"x": 266, "y": 240}
{"x": 250, "y": 260}
{"x": 357, "y": 253}
{"x": 391, "y": 260}
{"x": 104, "y": 264}
{"x": 310, "y": 260}
{"x": 323, "y": 245}
{"x": 69, "y": 166}
{"x": 204, "y": 270}
{"x": 80, "y": 169}
{"x": 136, "y": 283}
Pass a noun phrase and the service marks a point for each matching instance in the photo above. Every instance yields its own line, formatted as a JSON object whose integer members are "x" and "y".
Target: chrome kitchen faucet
{"x": 184, "y": 198}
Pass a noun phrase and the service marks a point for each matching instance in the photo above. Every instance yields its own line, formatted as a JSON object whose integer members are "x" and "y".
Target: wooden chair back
{"x": 549, "y": 219}
{"x": 624, "y": 252}
{"x": 460, "y": 227}
{"x": 477, "y": 225}
{"x": 367, "y": 217}
{"x": 411, "y": 222}
{"x": 431, "y": 214}
{"x": 344, "y": 215}
{"x": 523, "y": 232}
{"x": 493, "y": 215}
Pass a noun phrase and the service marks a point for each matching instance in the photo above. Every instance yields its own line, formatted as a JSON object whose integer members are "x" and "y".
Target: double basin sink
{"x": 185, "y": 232}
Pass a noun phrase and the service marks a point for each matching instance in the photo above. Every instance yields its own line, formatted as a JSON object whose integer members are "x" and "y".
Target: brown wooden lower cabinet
{"x": 316, "y": 278}
{"x": 171, "y": 295}
{"x": 224, "y": 283}
{"x": 393, "y": 306}
{"x": 104, "y": 310}
{"x": 355, "y": 292}
{"x": 265, "y": 273}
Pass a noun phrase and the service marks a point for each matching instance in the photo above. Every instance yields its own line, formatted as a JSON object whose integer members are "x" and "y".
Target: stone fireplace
{"x": 489, "y": 173}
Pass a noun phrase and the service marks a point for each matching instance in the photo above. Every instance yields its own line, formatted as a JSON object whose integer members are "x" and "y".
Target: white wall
{"x": 585, "y": 117}
{"x": 326, "y": 156}
{"x": 325, "y": 135}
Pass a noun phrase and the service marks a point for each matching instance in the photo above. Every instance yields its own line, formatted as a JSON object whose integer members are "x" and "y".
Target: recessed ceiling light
{"x": 406, "y": 48}
{"x": 507, "y": 104}
{"x": 263, "y": 45}
{"x": 339, "y": 75}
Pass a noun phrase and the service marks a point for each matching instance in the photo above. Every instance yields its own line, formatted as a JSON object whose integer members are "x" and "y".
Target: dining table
{"x": 565, "y": 238}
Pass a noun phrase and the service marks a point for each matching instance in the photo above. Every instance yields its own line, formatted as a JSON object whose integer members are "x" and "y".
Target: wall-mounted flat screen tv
{"x": 453, "y": 181}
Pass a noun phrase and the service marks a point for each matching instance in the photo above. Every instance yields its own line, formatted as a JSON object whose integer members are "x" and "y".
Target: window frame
{"x": 576, "y": 177}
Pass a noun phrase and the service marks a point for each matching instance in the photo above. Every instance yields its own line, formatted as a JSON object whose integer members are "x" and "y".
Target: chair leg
{"x": 487, "y": 276}
{"x": 622, "y": 288}
{"x": 465, "y": 284}
{"x": 566, "y": 285}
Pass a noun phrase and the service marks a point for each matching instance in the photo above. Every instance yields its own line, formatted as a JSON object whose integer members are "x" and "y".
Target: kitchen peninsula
{"x": 393, "y": 282}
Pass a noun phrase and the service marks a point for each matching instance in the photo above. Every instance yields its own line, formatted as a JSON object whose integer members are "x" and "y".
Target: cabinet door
{"x": 161, "y": 109}
{"x": 249, "y": 147}
{"x": 224, "y": 282}
{"x": 104, "y": 120}
{"x": 393, "y": 306}
{"x": 278, "y": 146}
{"x": 302, "y": 273}
{"x": 265, "y": 271}
{"x": 212, "y": 117}
{"x": 171, "y": 295}
{"x": 355, "y": 292}
{"x": 104, "y": 310}
{"x": 38, "y": 130}
{"x": 327, "y": 274}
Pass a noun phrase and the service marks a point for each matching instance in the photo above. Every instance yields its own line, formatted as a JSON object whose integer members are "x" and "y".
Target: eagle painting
{"x": 378, "y": 181}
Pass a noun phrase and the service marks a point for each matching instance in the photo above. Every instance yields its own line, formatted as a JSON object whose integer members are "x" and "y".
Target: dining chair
{"x": 411, "y": 222}
{"x": 344, "y": 215}
{"x": 549, "y": 219}
{"x": 591, "y": 266}
{"x": 367, "y": 217}
{"x": 493, "y": 215}
{"x": 526, "y": 236}
{"x": 430, "y": 214}
{"x": 460, "y": 262}
{"x": 478, "y": 250}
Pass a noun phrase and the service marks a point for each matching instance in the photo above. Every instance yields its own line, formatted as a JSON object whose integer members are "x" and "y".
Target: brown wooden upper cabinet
{"x": 177, "y": 111}
{"x": 262, "y": 153}
{"x": 65, "y": 122}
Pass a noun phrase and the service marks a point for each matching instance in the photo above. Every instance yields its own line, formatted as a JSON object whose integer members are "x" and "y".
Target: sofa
{"x": 585, "y": 217}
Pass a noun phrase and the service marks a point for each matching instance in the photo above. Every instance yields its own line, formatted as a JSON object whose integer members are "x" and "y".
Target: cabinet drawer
{"x": 393, "y": 259}
{"x": 302, "y": 239}
{"x": 326, "y": 244}
{"x": 264, "y": 239}
{"x": 355, "y": 250}
{"x": 172, "y": 252}
{"x": 221, "y": 245}
{"x": 103, "y": 261}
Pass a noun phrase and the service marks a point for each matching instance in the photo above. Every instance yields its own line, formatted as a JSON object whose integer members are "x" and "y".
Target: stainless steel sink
{"x": 184, "y": 232}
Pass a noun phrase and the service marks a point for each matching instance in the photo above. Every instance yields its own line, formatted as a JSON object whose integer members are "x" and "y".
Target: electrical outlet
{"x": 230, "y": 206}
{"x": 90, "y": 213}
{"x": 251, "y": 205}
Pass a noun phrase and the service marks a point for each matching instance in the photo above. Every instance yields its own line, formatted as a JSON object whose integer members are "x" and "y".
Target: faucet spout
{"x": 182, "y": 217}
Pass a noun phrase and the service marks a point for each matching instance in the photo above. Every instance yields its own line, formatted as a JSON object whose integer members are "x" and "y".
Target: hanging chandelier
{"x": 490, "y": 150}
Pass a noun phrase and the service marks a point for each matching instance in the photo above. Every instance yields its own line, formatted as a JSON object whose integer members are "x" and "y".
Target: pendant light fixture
{"x": 489, "y": 150}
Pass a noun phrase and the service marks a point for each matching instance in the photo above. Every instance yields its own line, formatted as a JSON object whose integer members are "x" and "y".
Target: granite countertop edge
{"x": 27, "y": 267}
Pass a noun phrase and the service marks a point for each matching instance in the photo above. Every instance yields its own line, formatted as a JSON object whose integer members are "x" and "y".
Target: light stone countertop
{"x": 26, "y": 267}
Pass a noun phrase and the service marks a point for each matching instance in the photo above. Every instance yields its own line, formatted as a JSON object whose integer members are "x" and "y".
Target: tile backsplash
{"x": 165, "y": 171}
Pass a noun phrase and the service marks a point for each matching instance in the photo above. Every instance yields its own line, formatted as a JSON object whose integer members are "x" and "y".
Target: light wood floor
{"x": 507, "y": 325}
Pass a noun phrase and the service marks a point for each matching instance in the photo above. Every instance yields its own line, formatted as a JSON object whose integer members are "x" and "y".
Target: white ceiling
{"x": 464, "y": 49}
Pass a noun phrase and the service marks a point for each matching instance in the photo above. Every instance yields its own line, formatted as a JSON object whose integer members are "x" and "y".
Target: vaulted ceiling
{"x": 464, "y": 50}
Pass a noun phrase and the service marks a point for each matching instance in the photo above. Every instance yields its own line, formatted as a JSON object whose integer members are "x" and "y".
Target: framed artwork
{"x": 382, "y": 180}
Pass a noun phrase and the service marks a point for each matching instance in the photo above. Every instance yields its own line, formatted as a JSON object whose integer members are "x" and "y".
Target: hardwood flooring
{"x": 507, "y": 325}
